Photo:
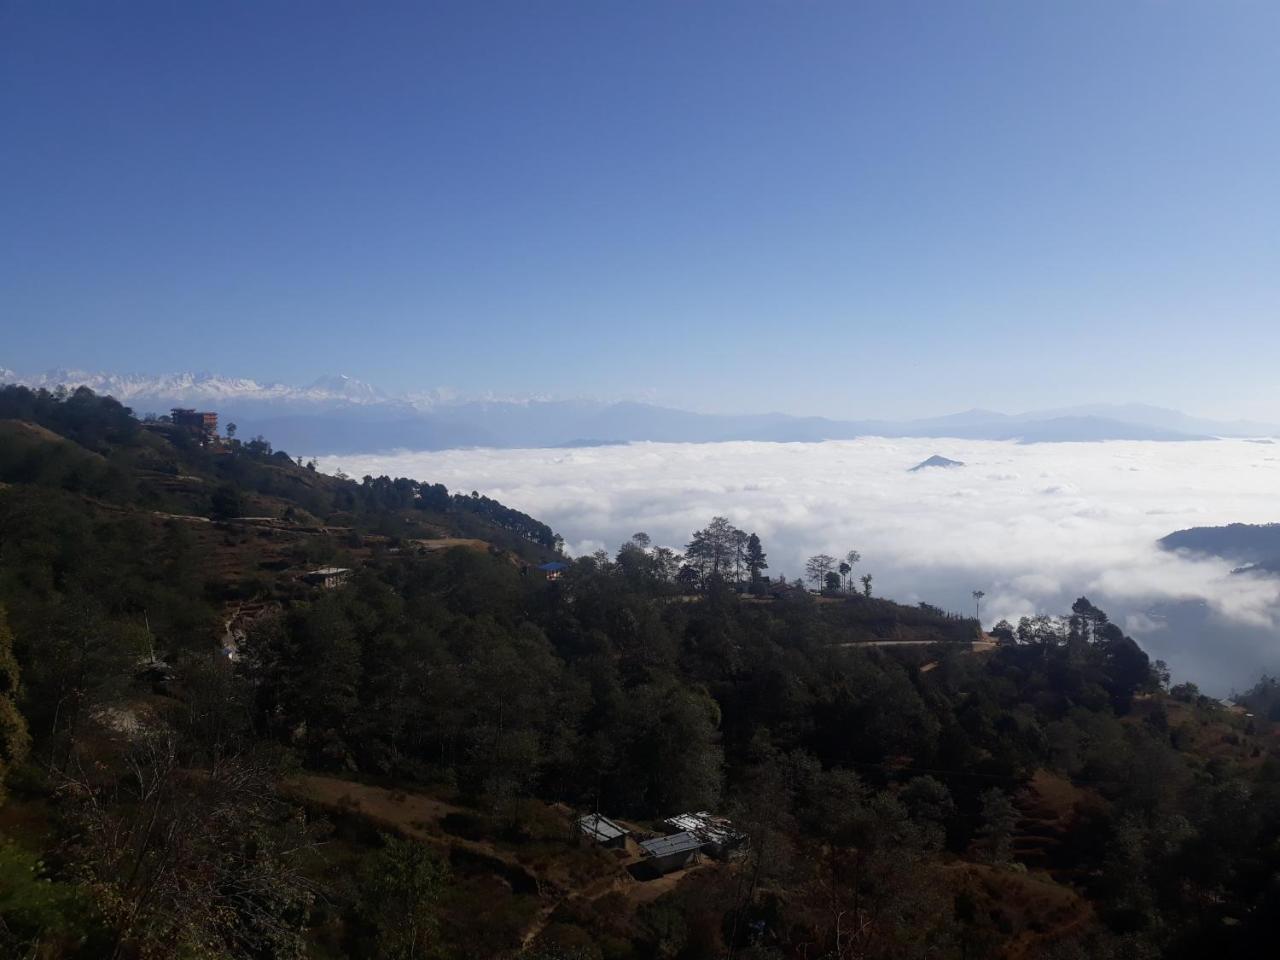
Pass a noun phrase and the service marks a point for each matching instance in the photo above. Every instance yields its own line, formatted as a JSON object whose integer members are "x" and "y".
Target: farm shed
{"x": 718, "y": 835}
{"x": 673, "y": 852}
{"x": 600, "y": 829}
{"x": 328, "y": 577}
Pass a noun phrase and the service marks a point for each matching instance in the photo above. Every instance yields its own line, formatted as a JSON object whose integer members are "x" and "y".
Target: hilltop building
{"x": 198, "y": 423}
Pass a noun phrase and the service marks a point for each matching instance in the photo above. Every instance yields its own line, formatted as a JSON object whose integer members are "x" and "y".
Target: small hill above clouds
{"x": 1254, "y": 545}
{"x": 935, "y": 461}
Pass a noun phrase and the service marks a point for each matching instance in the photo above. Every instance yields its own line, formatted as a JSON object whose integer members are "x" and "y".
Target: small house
{"x": 554, "y": 569}
{"x": 328, "y": 577}
{"x": 675, "y": 852}
{"x": 601, "y": 830}
{"x": 718, "y": 835}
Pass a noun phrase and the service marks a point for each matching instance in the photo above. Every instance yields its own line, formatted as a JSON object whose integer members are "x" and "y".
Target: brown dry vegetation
{"x": 548, "y": 879}
{"x": 1028, "y": 911}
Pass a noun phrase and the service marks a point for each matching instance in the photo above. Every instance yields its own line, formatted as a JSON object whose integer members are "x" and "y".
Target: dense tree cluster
{"x": 720, "y": 551}
{"x": 99, "y": 424}
{"x": 381, "y": 494}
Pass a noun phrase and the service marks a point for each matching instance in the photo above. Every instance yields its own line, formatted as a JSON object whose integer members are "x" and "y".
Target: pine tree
{"x": 756, "y": 559}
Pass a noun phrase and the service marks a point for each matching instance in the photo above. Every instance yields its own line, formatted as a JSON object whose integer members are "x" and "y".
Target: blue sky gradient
{"x": 887, "y": 208}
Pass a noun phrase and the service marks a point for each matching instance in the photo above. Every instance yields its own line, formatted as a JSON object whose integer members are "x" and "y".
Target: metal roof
{"x": 600, "y": 827}
{"x": 676, "y": 843}
{"x": 553, "y": 566}
{"x": 711, "y": 828}
{"x": 328, "y": 571}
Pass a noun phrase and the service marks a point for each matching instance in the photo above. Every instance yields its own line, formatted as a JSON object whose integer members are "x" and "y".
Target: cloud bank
{"x": 1033, "y": 525}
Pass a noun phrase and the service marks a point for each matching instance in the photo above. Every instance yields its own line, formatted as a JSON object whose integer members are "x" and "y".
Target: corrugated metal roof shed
{"x": 600, "y": 828}
{"x": 676, "y": 843}
{"x": 710, "y": 827}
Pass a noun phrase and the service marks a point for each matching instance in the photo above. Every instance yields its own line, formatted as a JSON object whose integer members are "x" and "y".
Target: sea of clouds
{"x": 1034, "y": 526}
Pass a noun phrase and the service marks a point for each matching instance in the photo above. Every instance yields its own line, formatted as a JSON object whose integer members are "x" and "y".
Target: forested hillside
{"x": 212, "y": 747}
{"x": 1255, "y": 545}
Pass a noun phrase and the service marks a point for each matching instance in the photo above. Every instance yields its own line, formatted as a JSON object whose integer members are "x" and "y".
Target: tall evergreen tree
{"x": 756, "y": 558}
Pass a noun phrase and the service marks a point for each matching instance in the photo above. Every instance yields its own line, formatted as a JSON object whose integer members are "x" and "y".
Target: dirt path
{"x": 636, "y": 892}
{"x": 444, "y": 543}
{"x": 412, "y": 814}
{"x": 973, "y": 646}
{"x": 642, "y": 892}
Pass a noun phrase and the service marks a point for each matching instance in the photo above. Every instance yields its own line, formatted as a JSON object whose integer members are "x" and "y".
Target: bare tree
{"x": 817, "y": 567}
{"x": 183, "y": 858}
{"x": 853, "y": 558}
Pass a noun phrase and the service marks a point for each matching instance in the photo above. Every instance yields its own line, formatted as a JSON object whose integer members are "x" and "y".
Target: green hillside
{"x": 213, "y": 750}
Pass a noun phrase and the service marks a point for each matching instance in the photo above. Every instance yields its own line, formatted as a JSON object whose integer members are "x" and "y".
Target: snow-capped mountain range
{"x": 338, "y": 414}
{"x": 141, "y": 390}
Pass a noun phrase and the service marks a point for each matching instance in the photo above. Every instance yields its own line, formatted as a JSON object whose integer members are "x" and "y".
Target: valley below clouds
{"x": 1033, "y": 525}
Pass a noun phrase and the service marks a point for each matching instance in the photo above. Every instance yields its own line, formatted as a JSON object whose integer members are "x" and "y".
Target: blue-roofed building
{"x": 553, "y": 569}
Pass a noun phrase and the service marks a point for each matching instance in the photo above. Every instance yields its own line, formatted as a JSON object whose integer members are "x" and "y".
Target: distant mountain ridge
{"x": 1254, "y": 545}
{"x": 337, "y": 414}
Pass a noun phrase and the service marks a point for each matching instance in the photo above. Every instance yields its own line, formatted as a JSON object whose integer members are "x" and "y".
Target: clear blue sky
{"x": 857, "y": 208}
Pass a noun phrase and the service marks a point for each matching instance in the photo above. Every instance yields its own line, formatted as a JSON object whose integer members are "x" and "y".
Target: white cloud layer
{"x": 1034, "y": 526}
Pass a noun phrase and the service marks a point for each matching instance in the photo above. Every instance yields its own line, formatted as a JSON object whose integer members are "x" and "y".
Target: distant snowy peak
{"x": 126, "y": 387}
{"x": 340, "y": 386}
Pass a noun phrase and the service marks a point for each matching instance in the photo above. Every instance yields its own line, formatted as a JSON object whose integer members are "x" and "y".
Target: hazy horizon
{"x": 444, "y": 394}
